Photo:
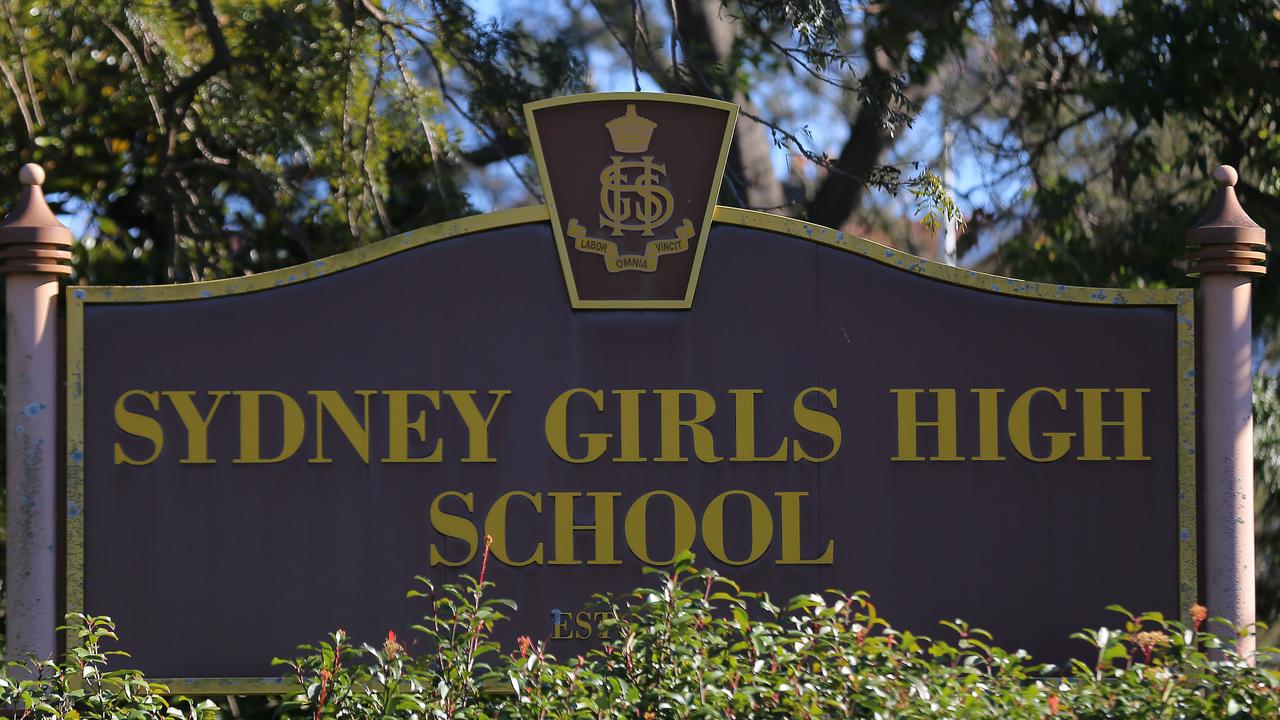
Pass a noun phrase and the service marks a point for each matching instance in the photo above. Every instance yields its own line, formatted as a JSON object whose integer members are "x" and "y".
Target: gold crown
{"x": 631, "y": 133}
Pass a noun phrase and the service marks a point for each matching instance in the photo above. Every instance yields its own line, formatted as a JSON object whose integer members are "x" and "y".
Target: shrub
{"x": 81, "y": 688}
{"x": 695, "y": 645}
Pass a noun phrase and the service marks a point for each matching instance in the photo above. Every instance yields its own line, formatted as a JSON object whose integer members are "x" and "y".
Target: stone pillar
{"x": 1227, "y": 252}
{"x": 35, "y": 251}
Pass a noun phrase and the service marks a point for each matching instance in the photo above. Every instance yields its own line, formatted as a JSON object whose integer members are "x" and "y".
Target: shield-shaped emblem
{"x": 631, "y": 180}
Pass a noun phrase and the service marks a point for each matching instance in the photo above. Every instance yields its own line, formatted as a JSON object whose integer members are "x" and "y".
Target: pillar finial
{"x": 1225, "y": 239}
{"x": 31, "y": 238}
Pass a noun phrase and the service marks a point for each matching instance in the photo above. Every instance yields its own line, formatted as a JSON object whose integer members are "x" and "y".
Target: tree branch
{"x": 220, "y": 61}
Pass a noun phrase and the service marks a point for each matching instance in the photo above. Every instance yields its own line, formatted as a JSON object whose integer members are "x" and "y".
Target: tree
{"x": 206, "y": 139}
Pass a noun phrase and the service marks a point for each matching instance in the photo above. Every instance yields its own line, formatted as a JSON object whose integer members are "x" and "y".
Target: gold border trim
{"x": 704, "y": 232}
{"x": 951, "y": 274}
{"x": 1188, "y": 512}
{"x": 1183, "y": 301}
{"x": 316, "y": 268}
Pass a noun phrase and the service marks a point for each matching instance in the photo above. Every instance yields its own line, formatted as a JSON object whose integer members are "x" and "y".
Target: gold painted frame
{"x": 1182, "y": 301}
{"x": 704, "y": 232}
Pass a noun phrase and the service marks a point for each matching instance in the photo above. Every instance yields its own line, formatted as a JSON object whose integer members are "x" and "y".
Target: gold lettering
{"x": 816, "y": 421}
{"x": 1131, "y": 423}
{"x": 196, "y": 424}
{"x": 356, "y": 431}
{"x": 909, "y": 424}
{"x": 744, "y": 406}
{"x": 603, "y": 529}
{"x": 560, "y": 625}
{"x": 791, "y": 533}
{"x": 988, "y": 424}
{"x": 634, "y": 527}
{"x": 557, "y": 427}
{"x": 454, "y": 526}
{"x": 495, "y": 525}
{"x": 293, "y": 426}
{"x": 704, "y": 406}
{"x": 713, "y": 527}
{"x": 629, "y": 425}
{"x": 1020, "y": 426}
{"x": 138, "y": 425}
{"x": 399, "y": 426}
{"x": 477, "y": 424}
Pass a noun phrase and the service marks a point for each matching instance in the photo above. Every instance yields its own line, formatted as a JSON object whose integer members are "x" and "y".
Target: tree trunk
{"x": 706, "y": 37}
{"x": 842, "y": 190}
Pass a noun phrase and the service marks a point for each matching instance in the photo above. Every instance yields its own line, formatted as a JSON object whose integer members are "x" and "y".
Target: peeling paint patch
{"x": 78, "y": 293}
{"x": 76, "y": 456}
{"x": 73, "y": 509}
{"x": 33, "y": 409}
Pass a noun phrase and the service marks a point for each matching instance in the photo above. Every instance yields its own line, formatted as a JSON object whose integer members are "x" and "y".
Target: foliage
{"x": 1266, "y": 409}
{"x": 695, "y": 645}
{"x": 82, "y": 688}
{"x": 201, "y": 139}
{"x": 1117, "y": 114}
{"x": 211, "y": 140}
{"x": 446, "y": 680}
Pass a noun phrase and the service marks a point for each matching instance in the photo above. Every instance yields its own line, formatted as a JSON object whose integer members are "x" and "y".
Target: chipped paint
{"x": 1188, "y": 568}
{"x": 31, "y": 464}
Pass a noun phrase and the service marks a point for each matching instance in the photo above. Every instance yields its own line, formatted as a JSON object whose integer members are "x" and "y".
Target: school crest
{"x": 631, "y": 181}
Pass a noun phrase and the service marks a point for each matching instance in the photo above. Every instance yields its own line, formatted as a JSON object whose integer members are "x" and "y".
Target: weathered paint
{"x": 31, "y": 465}
{"x": 1228, "y": 444}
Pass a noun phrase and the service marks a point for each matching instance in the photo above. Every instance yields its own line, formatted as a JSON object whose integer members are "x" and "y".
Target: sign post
{"x": 1226, "y": 253}
{"x": 34, "y": 251}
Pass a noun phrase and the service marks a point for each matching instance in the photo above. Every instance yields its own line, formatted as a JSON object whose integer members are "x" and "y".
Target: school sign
{"x": 602, "y": 383}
